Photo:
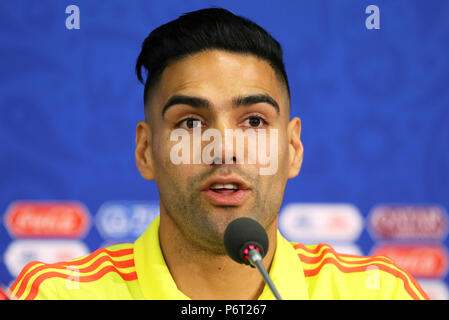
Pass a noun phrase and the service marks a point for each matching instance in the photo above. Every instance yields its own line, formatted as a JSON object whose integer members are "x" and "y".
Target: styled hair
{"x": 196, "y": 31}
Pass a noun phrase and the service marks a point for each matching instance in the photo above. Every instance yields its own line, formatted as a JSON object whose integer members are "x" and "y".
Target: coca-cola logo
{"x": 422, "y": 261}
{"x": 407, "y": 222}
{"x": 47, "y": 219}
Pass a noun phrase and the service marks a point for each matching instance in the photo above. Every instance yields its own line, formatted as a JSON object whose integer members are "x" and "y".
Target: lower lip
{"x": 227, "y": 198}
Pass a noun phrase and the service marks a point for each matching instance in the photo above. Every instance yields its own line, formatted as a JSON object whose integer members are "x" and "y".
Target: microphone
{"x": 246, "y": 242}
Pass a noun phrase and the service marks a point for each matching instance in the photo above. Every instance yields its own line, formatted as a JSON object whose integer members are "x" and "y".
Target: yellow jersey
{"x": 139, "y": 271}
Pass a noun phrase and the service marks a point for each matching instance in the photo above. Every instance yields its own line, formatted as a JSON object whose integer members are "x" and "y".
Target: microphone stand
{"x": 255, "y": 259}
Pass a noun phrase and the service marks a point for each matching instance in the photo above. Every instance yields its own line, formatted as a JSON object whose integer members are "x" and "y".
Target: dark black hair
{"x": 196, "y": 31}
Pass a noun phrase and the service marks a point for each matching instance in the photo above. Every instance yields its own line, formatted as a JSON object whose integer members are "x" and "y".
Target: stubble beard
{"x": 202, "y": 224}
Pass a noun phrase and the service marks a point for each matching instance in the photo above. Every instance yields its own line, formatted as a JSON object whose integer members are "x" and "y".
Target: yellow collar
{"x": 157, "y": 283}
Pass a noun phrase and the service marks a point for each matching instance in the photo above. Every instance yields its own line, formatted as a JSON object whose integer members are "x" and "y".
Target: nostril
{"x": 219, "y": 160}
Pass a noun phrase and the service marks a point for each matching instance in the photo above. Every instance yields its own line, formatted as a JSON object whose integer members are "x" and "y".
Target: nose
{"x": 228, "y": 152}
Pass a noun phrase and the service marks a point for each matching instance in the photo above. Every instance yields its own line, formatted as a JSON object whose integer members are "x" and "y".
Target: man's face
{"x": 202, "y": 198}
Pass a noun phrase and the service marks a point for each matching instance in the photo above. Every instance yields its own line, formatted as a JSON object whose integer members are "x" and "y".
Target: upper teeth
{"x": 224, "y": 186}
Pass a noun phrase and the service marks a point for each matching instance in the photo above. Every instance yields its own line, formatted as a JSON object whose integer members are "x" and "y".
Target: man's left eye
{"x": 255, "y": 122}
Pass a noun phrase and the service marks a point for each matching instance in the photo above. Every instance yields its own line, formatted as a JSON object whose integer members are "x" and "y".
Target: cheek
{"x": 284, "y": 148}
{"x": 167, "y": 171}
{"x": 161, "y": 146}
{"x": 283, "y": 155}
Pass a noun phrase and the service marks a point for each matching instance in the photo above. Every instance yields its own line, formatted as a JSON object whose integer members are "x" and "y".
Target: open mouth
{"x": 226, "y": 192}
{"x": 225, "y": 189}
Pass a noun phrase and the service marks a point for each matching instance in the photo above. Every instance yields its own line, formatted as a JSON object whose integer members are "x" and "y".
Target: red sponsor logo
{"x": 3, "y": 295}
{"x": 407, "y": 222}
{"x": 422, "y": 261}
{"x": 47, "y": 219}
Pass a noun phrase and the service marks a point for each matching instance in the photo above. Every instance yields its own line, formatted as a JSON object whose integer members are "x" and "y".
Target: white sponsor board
{"x": 21, "y": 252}
{"x": 313, "y": 223}
{"x": 347, "y": 248}
{"x": 125, "y": 221}
{"x": 435, "y": 289}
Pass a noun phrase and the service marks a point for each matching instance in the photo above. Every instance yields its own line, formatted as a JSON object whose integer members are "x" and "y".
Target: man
{"x": 212, "y": 71}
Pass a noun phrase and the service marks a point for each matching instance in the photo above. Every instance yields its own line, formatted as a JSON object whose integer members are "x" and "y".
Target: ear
{"x": 295, "y": 148}
{"x": 143, "y": 155}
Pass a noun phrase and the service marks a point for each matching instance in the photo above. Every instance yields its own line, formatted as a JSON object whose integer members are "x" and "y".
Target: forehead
{"x": 219, "y": 76}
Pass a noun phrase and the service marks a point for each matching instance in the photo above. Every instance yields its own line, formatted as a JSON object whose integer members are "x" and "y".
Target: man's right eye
{"x": 190, "y": 123}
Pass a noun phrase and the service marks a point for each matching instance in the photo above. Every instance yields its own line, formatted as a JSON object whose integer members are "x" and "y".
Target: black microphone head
{"x": 244, "y": 234}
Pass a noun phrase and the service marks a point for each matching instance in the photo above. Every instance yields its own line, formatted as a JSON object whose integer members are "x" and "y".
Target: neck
{"x": 202, "y": 275}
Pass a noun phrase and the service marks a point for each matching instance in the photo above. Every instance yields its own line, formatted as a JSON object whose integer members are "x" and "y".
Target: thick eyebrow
{"x": 195, "y": 102}
{"x": 255, "y": 98}
{"x": 239, "y": 101}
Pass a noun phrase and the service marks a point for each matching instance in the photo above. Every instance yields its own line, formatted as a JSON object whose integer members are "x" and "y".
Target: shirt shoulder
{"x": 332, "y": 275}
{"x": 107, "y": 273}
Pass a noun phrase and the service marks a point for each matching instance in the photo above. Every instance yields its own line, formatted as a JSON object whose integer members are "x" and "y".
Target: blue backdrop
{"x": 374, "y": 103}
